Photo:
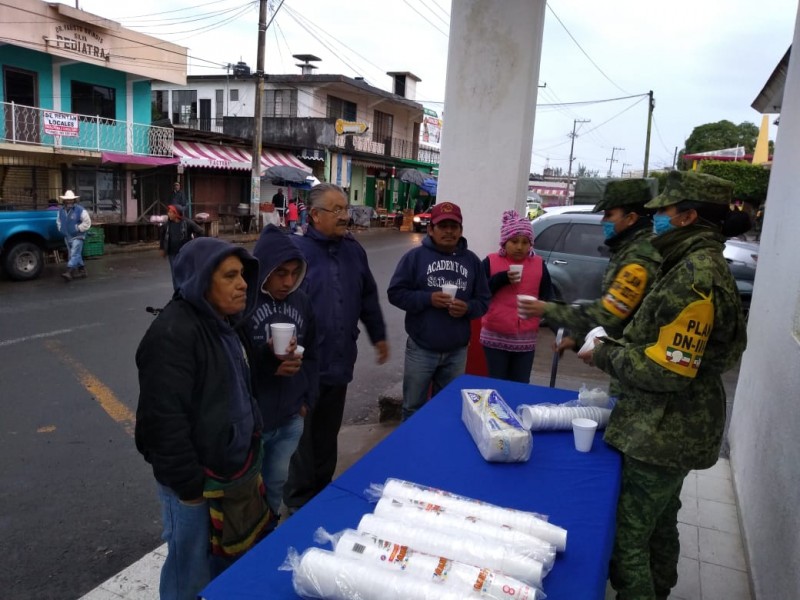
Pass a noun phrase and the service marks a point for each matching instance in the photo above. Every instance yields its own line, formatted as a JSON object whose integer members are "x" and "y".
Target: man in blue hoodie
{"x": 342, "y": 291}
{"x": 286, "y": 385}
{"x": 438, "y": 325}
{"x": 197, "y": 422}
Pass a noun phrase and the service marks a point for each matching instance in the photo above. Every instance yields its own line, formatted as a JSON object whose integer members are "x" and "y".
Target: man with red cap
{"x": 437, "y": 323}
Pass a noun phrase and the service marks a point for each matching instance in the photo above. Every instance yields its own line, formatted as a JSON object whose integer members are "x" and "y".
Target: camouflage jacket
{"x": 630, "y": 275}
{"x": 687, "y": 332}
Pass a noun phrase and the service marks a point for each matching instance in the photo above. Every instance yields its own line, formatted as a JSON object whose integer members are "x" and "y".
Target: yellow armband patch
{"x": 626, "y": 291}
{"x": 681, "y": 344}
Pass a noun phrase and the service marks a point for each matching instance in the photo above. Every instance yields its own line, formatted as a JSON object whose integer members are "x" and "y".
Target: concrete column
{"x": 490, "y": 103}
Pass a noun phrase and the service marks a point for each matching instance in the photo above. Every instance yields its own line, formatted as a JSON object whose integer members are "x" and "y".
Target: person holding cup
{"x": 516, "y": 278}
{"x": 669, "y": 418}
{"x": 286, "y": 374}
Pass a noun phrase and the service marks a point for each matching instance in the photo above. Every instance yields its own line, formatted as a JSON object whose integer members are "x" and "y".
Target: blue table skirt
{"x": 578, "y": 491}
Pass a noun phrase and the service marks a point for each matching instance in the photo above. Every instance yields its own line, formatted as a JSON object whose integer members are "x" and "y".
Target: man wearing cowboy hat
{"x": 73, "y": 221}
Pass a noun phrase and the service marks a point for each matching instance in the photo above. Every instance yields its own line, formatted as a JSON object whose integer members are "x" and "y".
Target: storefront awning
{"x": 135, "y": 159}
{"x": 210, "y": 156}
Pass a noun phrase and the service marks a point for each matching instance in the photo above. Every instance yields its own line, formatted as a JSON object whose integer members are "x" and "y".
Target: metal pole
{"x": 573, "y": 135}
{"x": 651, "y": 104}
{"x": 258, "y": 125}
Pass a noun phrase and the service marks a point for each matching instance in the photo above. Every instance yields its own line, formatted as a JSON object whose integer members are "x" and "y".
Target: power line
{"x": 446, "y": 22}
{"x": 173, "y": 10}
{"x": 431, "y": 23}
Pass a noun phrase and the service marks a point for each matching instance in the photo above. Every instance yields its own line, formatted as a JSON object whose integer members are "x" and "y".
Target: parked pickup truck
{"x": 24, "y": 238}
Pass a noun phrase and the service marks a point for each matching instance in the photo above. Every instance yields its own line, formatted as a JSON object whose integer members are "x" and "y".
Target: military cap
{"x": 695, "y": 187}
{"x": 625, "y": 192}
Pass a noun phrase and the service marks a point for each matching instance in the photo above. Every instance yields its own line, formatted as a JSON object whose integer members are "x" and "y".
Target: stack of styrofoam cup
{"x": 541, "y": 417}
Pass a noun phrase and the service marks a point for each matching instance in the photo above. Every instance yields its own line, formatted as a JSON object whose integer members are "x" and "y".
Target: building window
{"x": 280, "y": 103}
{"x": 94, "y": 100}
{"x": 382, "y": 126}
{"x": 219, "y": 103}
{"x": 159, "y": 102}
{"x": 341, "y": 109}
{"x": 233, "y": 95}
{"x": 184, "y": 106}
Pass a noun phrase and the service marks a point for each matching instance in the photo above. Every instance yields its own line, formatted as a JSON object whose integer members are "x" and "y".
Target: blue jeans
{"x": 279, "y": 445}
{"x": 425, "y": 367}
{"x": 75, "y": 250}
{"x": 187, "y": 569}
{"x": 512, "y": 366}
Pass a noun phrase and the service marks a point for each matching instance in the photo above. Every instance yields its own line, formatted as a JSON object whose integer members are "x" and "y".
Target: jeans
{"x": 425, "y": 367}
{"x": 314, "y": 463}
{"x": 511, "y": 366}
{"x": 187, "y": 569}
{"x": 75, "y": 250}
{"x": 279, "y": 445}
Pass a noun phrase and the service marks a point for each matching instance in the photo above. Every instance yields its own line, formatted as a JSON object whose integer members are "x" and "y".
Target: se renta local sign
{"x": 63, "y": 124}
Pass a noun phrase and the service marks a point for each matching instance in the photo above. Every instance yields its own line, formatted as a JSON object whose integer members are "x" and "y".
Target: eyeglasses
{"x": 336, "y": 211}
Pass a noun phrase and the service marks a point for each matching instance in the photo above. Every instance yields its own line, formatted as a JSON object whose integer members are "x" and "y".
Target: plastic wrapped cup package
{"x": 282, "y": 334}
{"x": 554, "y": 417}
{"x": 453, "y": 575}
{"x": 583, "y": 430}
{"x": 407, "y": 511}
{"x": 494, "y": 427}
{"x": 590, "y": 339}
{"x": 464, "y": 547}
{"x": 323, "y": 574}
{"x": 531, "y": 523}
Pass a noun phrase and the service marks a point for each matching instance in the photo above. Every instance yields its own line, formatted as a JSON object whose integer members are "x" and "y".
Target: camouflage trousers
{"x": 644, "y": 564}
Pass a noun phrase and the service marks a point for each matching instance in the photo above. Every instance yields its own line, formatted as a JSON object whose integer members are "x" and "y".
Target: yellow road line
{"x": 101, "y": 392}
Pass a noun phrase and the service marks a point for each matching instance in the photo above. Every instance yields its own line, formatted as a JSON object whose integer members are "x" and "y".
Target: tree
{"x": 720, "y": 135}
{"x": 584, "y": 171}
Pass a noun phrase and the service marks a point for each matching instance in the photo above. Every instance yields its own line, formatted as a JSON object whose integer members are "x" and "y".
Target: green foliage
{"x": 750, "y": 181}
{"x": 720, "y": 135}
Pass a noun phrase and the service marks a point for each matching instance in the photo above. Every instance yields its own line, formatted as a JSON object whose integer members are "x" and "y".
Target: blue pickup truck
{"x": 24, "y": 238}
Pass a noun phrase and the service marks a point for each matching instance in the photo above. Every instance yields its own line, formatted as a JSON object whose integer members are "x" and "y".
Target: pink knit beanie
{"x": 513, "y": 225}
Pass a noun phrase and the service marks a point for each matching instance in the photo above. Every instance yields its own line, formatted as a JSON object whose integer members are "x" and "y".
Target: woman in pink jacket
{"x": 509, "y": 340}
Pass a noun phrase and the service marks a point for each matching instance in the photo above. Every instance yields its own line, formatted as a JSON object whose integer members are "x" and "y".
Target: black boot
{"x": 69, "y": 274}
{"x": 81, "y": 273}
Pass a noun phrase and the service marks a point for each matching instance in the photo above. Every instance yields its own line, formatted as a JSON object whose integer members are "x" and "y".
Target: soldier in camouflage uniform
{"x": 670, "y": 414}
{"x": 631, "y": 270}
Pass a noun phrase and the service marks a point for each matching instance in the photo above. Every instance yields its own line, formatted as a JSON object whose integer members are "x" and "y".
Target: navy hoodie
{"x": 279, "y": 397}
{"x": 195, "y": 407}
{"x": 423, "y": 271}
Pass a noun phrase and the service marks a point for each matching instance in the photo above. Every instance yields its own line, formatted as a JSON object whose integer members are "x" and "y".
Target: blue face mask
{"x": 662, "y": 224}
{"x": 608, "y": 230}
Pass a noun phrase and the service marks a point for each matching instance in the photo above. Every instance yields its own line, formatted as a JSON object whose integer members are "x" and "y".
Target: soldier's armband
{"x": 681, "y": 344}
{"x": 626, "y": 291}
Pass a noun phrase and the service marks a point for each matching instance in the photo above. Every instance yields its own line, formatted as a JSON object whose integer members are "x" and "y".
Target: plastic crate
{"x": 94, "y": 244}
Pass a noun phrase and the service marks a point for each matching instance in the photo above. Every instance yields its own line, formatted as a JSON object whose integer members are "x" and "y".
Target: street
{"x": 79, "y": 502}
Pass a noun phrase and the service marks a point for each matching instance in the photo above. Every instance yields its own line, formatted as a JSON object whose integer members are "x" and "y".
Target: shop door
{"x": 205, "y": 114}
{"x": 21, "y": 87}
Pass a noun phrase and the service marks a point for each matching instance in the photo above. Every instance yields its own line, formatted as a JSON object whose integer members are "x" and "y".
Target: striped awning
{"x": 213, "y": 156}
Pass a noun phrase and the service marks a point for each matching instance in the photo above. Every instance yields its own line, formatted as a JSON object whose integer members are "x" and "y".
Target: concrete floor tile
{"x": 721, "y": 470}
{"x": 689, "y": 489}
{"x": 718, "y": 515}
{"x": 690, "y": 539}
{"x": 161, "y": 550}
{"x": 721, "y": 548}
{"x": 100, "y": 593}
{"x": 688, "y": 512}
{"x": 688, "y": 580}
{"x": 139, "y": 581}
{"x": 721, "y": 583}
{"x": 715, "y": 488}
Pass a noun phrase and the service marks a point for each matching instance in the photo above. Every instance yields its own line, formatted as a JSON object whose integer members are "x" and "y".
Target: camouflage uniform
{"x": 670, "y": 414}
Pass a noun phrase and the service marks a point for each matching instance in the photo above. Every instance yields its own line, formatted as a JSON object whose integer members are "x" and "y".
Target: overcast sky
{"x": 705, "y": 60}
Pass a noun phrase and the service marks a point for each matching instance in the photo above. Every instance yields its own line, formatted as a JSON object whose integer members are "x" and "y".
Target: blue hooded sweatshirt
{"x": 279, "y": 397}
{"x": 423, "y": 271}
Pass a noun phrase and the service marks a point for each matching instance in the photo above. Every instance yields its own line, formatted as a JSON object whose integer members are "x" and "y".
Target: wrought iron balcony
{"x": 212, "y": 125}
{"x": 43, "y": 127}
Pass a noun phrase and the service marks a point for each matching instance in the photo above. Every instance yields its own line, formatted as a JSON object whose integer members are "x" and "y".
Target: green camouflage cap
{"x": 696, "y": 187}
{"x": 625, "y": 192}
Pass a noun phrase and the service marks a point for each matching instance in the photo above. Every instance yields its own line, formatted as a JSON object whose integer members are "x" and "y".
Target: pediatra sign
{"x": 63, "y": 124}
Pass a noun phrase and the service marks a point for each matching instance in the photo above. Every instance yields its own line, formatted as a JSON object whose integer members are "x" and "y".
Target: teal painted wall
{"x": 98, "y": 76}
{"x": 142, "y": 112}
{"x": 30, "y": 60}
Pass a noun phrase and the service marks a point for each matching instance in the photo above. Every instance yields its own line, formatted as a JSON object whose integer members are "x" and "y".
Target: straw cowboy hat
{"x": 69, "y": 195}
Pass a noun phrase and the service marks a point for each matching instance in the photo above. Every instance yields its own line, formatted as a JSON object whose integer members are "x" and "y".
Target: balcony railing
{"x": 393, "y": 147}
{"x": 212, "y": 125}
{"x": 43, "y": 127}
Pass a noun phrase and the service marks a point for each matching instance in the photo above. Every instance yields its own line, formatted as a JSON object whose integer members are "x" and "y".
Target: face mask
{"x": 608, "y": 229}
{"x": 662, "y": 224}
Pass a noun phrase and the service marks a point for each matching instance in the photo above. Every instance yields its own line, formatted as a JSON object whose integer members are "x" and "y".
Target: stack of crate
{"x": 94, "y": 245}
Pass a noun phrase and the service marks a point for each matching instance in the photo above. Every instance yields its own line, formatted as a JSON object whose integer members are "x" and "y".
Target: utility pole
{"x": 622, "y": 169}
{"x": 612, "y": 160}
{"x": 651, "y": 104}
{"x": 573, "y": 135}
{"x": 674, "y": 157}
{"x": 258, "y": 110}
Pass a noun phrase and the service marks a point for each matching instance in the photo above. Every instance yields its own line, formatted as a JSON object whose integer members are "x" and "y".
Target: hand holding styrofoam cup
{"x": 590, "y": 341}
{"x": 515, "y": 273}
{"x": 298, "y": 351}
{"x": 583, "y": 430}
{"x": 521, "y": 300}
{"x": 282, "y": 334}
{"x": 450, "y": 289}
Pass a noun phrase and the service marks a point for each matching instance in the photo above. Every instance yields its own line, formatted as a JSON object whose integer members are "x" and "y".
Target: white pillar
{"x": 490, "y": 102}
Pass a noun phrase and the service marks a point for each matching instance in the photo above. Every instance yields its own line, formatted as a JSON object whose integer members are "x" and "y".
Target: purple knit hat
{"x": 513, "y": 225}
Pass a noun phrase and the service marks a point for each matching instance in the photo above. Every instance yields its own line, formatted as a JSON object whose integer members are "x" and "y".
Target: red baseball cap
{"x": 446, "y": 211}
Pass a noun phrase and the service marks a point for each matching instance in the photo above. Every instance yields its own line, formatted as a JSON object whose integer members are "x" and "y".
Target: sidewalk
{"x": 712, "y": 564}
